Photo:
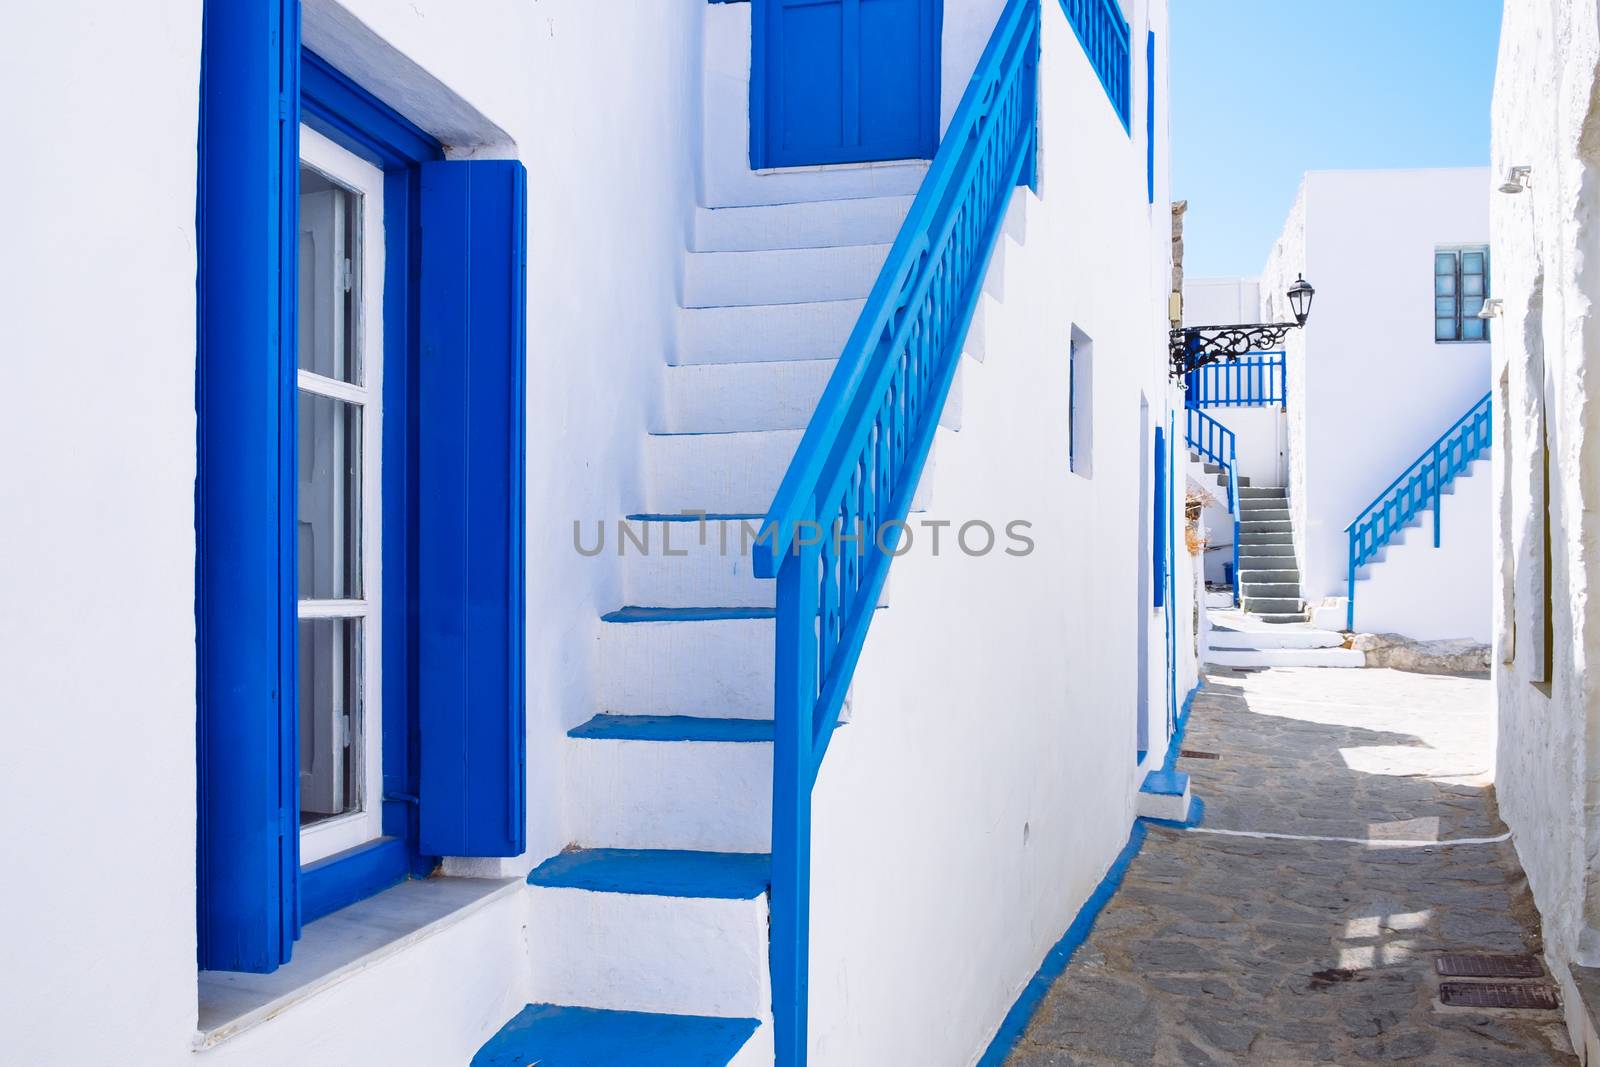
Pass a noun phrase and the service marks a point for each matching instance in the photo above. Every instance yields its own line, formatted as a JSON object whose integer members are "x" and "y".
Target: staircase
{"x": 674, "y": 929}
{"x": 1269, "y": 578}
{"x": 1415, "y": 493}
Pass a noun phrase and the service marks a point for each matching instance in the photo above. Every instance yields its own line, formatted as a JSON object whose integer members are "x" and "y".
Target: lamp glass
{"x": 1300, "y": 294}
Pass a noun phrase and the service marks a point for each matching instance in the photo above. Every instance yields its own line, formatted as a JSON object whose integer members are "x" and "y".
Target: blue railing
{"x": 1103, "y": 32}
{"x": 1249, "y": 381}
{"x": 1213, "y": 441}
{"x": 1418, "y": 486}
{"x": 839, "y": 511}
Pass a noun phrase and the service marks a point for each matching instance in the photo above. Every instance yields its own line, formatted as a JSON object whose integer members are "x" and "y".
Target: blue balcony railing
{"x": 1419, "y": 486}
{"x": 1103, "y": 32}
{"x": 1216, "y": 444}
{"x": 1249, "y": 381}
{"x": 835, "y": 521}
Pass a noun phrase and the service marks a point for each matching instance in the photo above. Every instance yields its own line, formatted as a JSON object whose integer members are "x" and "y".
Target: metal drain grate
{"x": 1498, "y": 995}
{"x": 1194, "y": 753}
{"x": 1473, "y": 965}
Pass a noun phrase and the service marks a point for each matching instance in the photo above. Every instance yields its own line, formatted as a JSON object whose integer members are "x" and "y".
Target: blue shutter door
{"x": 247, "y": 850}
{"x": 844, "y": 81}
{"x": 470, "y": 598}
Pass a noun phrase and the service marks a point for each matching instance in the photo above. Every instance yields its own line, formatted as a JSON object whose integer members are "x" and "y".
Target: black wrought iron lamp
{"x": 1192, "y": 347}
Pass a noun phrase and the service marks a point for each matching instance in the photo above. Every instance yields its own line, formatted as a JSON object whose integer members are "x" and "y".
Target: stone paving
{"x": 1237, "y": 950}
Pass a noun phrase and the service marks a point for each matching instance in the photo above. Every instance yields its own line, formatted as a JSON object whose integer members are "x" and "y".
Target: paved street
{"x": 1224, "y": 949}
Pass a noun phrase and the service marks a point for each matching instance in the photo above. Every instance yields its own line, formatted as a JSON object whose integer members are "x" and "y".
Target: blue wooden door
{"x": 843, "y": 81}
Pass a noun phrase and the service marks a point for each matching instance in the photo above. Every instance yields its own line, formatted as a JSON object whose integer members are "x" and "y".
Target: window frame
{"x": 1457, "y": 297}
{"x": 338, "y": 109}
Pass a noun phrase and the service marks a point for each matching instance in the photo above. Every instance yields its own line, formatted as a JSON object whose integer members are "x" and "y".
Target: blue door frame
{"x": 843, "y": 81}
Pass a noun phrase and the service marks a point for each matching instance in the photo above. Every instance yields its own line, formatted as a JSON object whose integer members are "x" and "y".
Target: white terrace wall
{"x": 1260, "y": 433}
{"x": 98, "y": 573}
{"x": 1369, "y": 386}
{"x": 1546, "y": 350}
{"x": 964, "y": 815}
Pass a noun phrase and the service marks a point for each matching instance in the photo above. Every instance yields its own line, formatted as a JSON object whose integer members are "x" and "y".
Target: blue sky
{"x": 1376, "y": 83}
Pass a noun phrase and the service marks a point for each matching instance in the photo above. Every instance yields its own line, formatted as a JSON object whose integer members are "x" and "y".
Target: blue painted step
{"x": 1165, "y": 783}
{"x": 638, "y": 614}
{"x": 658, "y": 872}
{"x": 672, "y": 728}
{"x": 551, "y": 1035}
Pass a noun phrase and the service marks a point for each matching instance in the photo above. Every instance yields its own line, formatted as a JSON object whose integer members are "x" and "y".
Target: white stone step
{"x": 726, "y": 473}
{"x": 668, "y": 782}
{"x": 688, "y": 563}
{"x": 1287, "y": 657}
{"x": 666, "y": 940}
{"x": 765, "y": 332}
{"x": 686, "y": 663}
{"x": 809, "y": 224}
{"x": 781, "y": 276}
{"x": 732, "y": 397}
{"x": 1276, "y": 637}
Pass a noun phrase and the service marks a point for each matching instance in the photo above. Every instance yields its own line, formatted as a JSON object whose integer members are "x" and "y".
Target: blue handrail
{"x": 1249, "y": 381}
{"x": 853, "y": 476}
{"x": 1106, "y": 40}
{"x": 1418, "y": 486}
{"x": 1214, "y": 441}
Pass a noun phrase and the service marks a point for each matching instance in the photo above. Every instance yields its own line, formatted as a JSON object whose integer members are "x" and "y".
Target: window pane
{"x": 1472, "y": 285}
{"x": 1471, "y": 306}
{"x": 329, "y": 215}
{"x": 329, "y": 504}
{"x": 1472, "y": 262}
{"x": 1444, "y": 285}
{"x": 330, "y": 718}
{"x": 1444, "y": 263}
{"x": 1473, "y": 329}
{"x": 1444, "y": 329}
{"x": 1444, "y": 305}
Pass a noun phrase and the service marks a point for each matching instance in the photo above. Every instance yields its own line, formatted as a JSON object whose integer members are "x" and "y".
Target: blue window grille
{"x": 1460, "y": 287}
{"x": 1150, "y": 116}
{"x": 1105, "y": 37}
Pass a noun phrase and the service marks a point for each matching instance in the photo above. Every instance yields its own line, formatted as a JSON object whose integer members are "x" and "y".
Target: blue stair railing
{"x": 1419, "y": 486}
{"x": 1106, "y": 40}
{"x": 1213, "y": 441}
{"x": 830, "y": 533}
{"x": 1249, "y": 381}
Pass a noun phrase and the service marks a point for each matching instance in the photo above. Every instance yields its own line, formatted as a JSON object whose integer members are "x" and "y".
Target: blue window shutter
{"x": 247, "y": 849}
{"x": 1150, "y": 116}
{"x": 472, "y": 297}
{"x": 1159, "y": 510}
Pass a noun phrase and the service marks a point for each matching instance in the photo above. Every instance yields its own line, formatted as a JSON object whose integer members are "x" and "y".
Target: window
{"x": 1080, "y": 403}
{"x": 353, "y": 729}
{"x": 339, "y": 503}
{"x": 1460, "y": 286}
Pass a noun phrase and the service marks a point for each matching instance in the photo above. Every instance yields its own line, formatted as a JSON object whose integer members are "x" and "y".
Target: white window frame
{"x": 332, "y": 836}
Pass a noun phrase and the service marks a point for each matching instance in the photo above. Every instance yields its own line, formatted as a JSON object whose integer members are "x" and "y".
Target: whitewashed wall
{"x": 100, "y": 661}
{"x": 991, "y": 802}
{"x": 1545, "y": 352}
{"x": 100, "y": 525}
{"x": 1370, "y": 388}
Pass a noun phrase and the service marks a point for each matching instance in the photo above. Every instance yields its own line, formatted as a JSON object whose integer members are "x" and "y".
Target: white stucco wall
{"x": 100, "y": 294}
{"x": 1547, "y": 770}
{"x": 992, "y": 802}
{"x": 923, "y": 872}
{"x": 1370, "y": 387}
{"x": 1429, "y": 593}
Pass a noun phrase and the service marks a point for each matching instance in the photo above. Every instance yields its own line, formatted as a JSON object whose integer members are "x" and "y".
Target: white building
{"x": 1386, "y": 385}
{"x": 1545, "y": 350}
{"x": 333, "y": 739}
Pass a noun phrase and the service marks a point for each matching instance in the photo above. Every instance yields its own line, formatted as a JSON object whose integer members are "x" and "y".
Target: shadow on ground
{"x": 1222, "y": 950}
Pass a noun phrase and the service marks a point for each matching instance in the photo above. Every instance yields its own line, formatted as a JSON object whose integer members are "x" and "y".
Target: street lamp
{"x": 1192, "y": 347}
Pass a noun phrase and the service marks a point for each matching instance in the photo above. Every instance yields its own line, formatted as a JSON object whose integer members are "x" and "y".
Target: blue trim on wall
{"x": 1060, "y": 955}
{"x": 1150, "y": 116}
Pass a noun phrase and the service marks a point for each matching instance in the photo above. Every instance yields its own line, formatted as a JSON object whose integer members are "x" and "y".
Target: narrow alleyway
{"x": 1226, "y": 948}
